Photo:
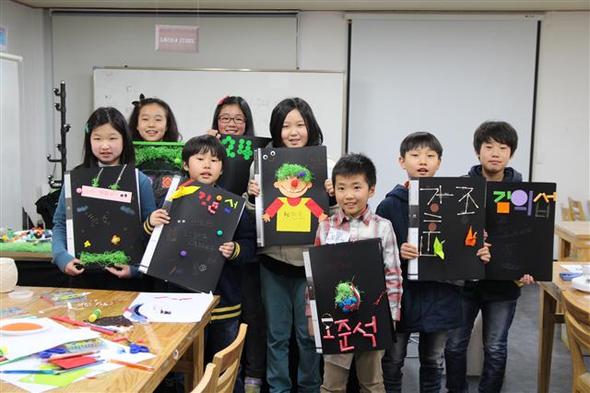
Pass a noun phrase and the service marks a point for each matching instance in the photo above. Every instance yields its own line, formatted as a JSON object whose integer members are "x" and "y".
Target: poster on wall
{"x": 103, "y": 218}
{"x": 520, "y": 219}
{"x": 292, "y": 199}
{"x": 186, "y": 251}
{"x": 348, "y": 297}
{"x": 446, "y": 223}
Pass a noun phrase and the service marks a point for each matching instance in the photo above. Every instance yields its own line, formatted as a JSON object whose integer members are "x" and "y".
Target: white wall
{"x": 323, "y": 41}
{"x": 562, "y": 138}
{"x": 27, "y": 37}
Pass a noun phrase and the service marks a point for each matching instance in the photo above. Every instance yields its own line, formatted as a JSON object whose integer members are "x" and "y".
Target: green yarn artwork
{"x": 104, "y": 258}
{"x": 348, "y": 297}
{"x": 167, "y": 151}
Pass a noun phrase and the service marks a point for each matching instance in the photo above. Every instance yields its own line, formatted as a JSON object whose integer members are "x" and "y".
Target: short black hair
{"x": 314, "y": 132}
{"x": 244, "y": 107}
{"x": 100, "y": 117}
{"x": 204, "y": 144}
{"x": 355, "y": 164}
{"x": 420, "y": 139}
{"x": 171, "y": 135}
{"x": 499, "y": 131}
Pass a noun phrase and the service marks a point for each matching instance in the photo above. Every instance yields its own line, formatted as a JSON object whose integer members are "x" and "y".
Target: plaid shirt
{"x": 370, "y": 226}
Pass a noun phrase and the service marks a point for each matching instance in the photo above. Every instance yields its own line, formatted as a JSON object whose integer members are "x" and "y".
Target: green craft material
{"x": 105, "y": 258}
{"x": 288, "y": 170}
{"x": 150, "y": 151}
{"x": 343, "y": 291}
{"x": 438, "y": 248}
{"x": 40, "y": 247}
{"x": 60, "y": 380}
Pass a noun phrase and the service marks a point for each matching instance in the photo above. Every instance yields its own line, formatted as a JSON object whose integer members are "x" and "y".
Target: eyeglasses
{"x": 225, "y": 119}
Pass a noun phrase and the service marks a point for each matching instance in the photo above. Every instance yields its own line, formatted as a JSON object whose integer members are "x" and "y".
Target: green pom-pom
{"x": 105, "y": 258}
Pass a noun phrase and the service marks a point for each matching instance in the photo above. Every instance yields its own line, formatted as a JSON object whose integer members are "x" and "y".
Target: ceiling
{"x": 318, "y": 5}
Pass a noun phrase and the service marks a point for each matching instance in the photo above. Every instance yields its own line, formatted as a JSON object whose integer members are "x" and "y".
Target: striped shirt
{"x": 370, "y": 226}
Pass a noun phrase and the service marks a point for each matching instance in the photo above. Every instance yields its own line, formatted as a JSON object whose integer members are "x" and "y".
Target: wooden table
{"x": 551, "y": 313}
{"x": 574, "y": 240}
{"x": 168, "y": 341}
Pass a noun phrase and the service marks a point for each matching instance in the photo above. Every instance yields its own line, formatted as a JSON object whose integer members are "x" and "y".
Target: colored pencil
{"x": 133, "y": 365}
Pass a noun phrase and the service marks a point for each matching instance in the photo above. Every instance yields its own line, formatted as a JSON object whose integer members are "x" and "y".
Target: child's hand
{"x": 329, "y": 187}
{"x": 214, "y": 133}
{"x": 159, "y": 217}
{"x": 527, "y": 279}
{"x": 322, "y": 217}
{"x": 484, "y": 253}
{"x": 121, "y": 271}
{"x": 253, "y": 188}
{"x": 310, "y": 327}
{"x": 227, "y": 249}
{"x": 265, "y": 217}
{"x": 72, "y": 268}
{"x": 409, "y": 251}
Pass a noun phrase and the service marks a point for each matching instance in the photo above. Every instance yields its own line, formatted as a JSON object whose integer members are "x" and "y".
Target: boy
{"x": 354, "y": 179}
{"x": 203, "y": 159}
{"x": 428, "y": 307}
{"x": 495, "y": 142}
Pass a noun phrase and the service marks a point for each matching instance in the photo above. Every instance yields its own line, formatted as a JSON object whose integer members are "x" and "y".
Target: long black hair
{"x": 171, "y": 134}
{"x": 314, "y": 132}
{"x": 244, "y": 107}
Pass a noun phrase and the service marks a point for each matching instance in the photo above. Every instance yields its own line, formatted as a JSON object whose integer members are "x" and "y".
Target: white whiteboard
{"x": 193, "y": 95}
{"x": 445, "y": 74}
{"x": 10, "y": 146}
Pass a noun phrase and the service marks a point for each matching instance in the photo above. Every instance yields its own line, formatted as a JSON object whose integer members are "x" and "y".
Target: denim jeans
{"x": 430, "y": 349}
{"x": 497, "y": 317}
{"x": 284, "y": 302}
{"x": 218, "y": 336}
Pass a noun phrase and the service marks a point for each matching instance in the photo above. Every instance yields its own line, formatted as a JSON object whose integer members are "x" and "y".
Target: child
{"x": 203, "y": 159}
{"x": 232, "y": 116}
{"x": 152, "y": 120}
{"x": 106, "y": 143}
{"x": 494, "y": 142}
{"x": 428, "y": 307}
{"x": 354, "y": 179}
{"x": 292, "y": 125}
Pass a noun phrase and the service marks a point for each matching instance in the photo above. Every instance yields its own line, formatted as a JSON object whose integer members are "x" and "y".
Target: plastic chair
{"x": 577, "y": 321}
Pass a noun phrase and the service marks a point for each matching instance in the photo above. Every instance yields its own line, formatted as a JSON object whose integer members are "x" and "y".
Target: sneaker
{"x": 252, "y": 385}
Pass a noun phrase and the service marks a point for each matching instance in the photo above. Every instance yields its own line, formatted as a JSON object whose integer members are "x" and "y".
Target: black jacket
{"x": 493, "y": 290}
{"x": 427, "y": 306}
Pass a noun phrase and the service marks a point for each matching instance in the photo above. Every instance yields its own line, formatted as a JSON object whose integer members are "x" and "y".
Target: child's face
{"x": 294, "y": 132}
{"x": 107, "y": 144}
{"x": 352, "y": 193}
{"x": 231, "y": 120}
{"x": 494, "y": 156}
{"x": 152, "y": 122}
{"x": 420, "y": 162}
{"x": 204, "y": 167}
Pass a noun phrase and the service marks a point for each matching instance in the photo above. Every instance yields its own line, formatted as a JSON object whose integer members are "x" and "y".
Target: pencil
{"x": 50, "y": 372}
{"x": 133, "y": 365}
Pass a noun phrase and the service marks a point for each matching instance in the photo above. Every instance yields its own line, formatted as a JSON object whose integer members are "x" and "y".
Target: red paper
{"x": 74, "y": 362}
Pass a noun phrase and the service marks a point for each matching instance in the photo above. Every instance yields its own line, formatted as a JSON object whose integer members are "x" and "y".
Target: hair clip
{"x": 86, "y": 128}
{"x": 137, "y": 103}
{"x": 221, "y": 101}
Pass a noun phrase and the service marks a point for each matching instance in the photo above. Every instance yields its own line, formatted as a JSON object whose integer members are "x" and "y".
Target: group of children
{"x": 271, "y": 281}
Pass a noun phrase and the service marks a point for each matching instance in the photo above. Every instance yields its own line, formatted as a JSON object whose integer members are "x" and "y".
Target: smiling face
{"x": 204, "y": 167}
{"x": 231, "y": 120}
{"x": 494, "y": 157}
{"x": 107, "y": 144}
{"x": 294, "y": 131}
{"x": 352, "y": 193}
{"x": 152, "y": 123}
{"x": 420, "y": 162}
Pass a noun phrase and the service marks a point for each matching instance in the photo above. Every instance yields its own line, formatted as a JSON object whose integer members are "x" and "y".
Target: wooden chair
{"x": 208, "y": 384}
{"x": 576, "y": 209}
{"x": 566, "y": 213}
{"x": 577, "y": 320}
{"x": 227, "y": 365}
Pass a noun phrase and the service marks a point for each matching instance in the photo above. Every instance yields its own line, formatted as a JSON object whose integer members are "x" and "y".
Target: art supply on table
{"x": 568, "y": 276}
{"x": 21, "y": 294}
{"x": 73, "y": 361}
{"x": 84, "y": 345}
{"x": 138, "y": 366}
{"x": 94, "y": 315}
{"x": 72, "y": 355}
{"x": 61, "y": 297}
{"x": 84, "y": 324}
{"x": 11, "y": 311}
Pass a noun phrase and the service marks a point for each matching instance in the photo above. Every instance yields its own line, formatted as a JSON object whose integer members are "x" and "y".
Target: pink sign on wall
{"x": 176, "y": 38}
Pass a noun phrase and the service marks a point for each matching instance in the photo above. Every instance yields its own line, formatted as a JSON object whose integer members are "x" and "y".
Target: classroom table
{"x": 551, "y": 313}
{"x": 168, "y": 341}
{"x": 574, "y": 240}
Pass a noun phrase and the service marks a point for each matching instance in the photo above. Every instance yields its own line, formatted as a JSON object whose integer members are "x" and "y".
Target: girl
{"x": 152, "y": 120}
{"x": 232, "y": 116}
{"x": 292, "y": 124}
{"x": 106, "y": 143}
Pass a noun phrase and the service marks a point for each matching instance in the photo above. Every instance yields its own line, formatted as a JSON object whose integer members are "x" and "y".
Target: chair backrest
{"x": 577, "y": 320}
{"x": 228, "y": 362}
{"x": 576, "y": 209}
{"x": 566, "y": 214}
{"x": 208, "y": 384}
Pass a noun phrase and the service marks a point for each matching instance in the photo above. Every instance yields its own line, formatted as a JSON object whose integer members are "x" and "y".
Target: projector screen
{"x": 445, "y": 74}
